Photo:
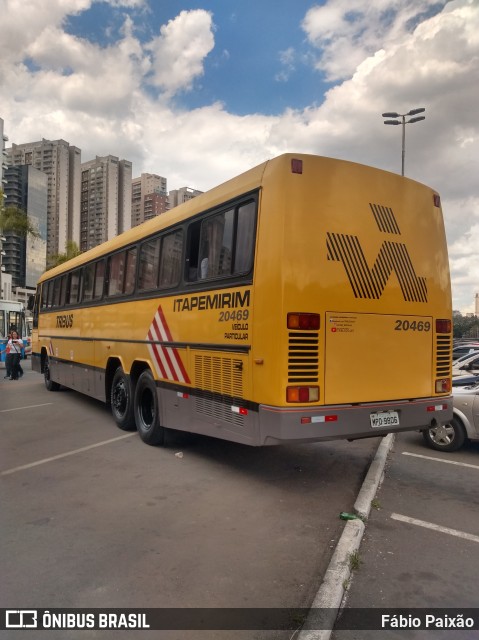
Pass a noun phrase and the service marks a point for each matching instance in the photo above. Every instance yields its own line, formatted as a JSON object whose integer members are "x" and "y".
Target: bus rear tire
{"x": 147, "y": 410}
{"x": 121, "y": 401}
{"x": 49, "y": 383}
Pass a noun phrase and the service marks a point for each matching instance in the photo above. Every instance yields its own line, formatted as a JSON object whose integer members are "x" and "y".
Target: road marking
{"x": 65, "y": 455}
{"x": 31, "y": 406}
{"x": 459, "y": 464}
{"x": 435, "y": 527}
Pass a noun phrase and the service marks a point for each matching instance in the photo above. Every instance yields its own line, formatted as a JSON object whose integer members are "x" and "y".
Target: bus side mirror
{"x": 30, "y": 302}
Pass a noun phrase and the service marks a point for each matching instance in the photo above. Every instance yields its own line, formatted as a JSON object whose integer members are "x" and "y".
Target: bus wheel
{"x": 121, "y": 401}
{"x": 147, "y": 410}
{"x": 50, "y": 385}
{"x": 446, "y": 437}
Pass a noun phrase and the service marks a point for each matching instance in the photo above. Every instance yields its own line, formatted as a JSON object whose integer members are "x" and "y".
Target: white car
{"x": 467, "y": 364}
{"x": 464, "y": 424}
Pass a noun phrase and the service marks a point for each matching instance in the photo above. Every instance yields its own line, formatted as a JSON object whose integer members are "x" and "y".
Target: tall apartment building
{"x": 148, "y": 197}
{"x": 105, "y": 200}
{"x": 25, "y": 259}
{"x": 178, "y": 196}
{"x": 3, "y": 156}
{"x": 62, "y": 164}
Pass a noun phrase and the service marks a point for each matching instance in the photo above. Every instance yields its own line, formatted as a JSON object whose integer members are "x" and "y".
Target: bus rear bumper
{"x": 350, "y": 422}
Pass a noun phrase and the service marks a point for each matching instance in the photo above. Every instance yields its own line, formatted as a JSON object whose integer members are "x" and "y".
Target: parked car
{"x": 465, "y": 381}
{"x": 467, "y": 364}
{"x": 465, "y": 349}
{"x": 464, "y": 424}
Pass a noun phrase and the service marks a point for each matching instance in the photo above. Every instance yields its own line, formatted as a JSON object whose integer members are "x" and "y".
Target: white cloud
{"x": 95, "y": 98}
{"x": 179, "y": 50}
{"x": 348, "y": 31}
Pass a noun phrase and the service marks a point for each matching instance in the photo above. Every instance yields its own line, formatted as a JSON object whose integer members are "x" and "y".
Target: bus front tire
{"x": 49, "y": 383}
{"x": 121, "y": 401}
{"x": 147, "y": 410}
{"x": 447, "y": 437}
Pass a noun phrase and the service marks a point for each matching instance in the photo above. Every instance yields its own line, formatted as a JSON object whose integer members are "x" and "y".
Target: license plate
{"x": 384, "y": 419}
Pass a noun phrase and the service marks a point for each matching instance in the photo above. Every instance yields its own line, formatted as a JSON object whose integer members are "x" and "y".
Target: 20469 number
{"x": 406, "y": 325}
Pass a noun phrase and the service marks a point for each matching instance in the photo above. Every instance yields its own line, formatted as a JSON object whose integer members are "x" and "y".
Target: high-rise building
{"x": 148, "y": 197}
{"x": 62, "y": 164}
{"x": 178, "y": 196}
{"x": 105, "y": 200}
{"x": 3, "y": 156}
{"x": 25, "y": 258}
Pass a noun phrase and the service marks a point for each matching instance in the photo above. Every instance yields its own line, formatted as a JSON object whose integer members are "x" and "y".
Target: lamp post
{"x": 404, "y": 122}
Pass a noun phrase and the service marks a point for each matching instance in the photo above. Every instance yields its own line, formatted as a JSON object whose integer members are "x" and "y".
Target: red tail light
{"x": 443, "y": 326}
{"x": 303, "y": 321}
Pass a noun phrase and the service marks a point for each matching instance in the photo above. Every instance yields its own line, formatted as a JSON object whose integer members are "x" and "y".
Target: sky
{"x": 201, "y": 91}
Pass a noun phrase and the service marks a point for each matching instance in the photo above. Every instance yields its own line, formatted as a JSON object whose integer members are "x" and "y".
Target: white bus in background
{"x": 12, "y": 317}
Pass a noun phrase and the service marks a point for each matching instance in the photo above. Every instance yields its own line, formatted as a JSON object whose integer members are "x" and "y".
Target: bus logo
{"x": 167, "y": 360}
{"x": 367, "y": 282}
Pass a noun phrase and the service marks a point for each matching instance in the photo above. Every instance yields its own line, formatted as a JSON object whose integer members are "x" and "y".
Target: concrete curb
{"x": 328, "y": 599}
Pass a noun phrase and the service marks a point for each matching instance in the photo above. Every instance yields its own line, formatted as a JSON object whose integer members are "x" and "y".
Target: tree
{"x": 14, "y": 220}
{"x": 465, "y": 326}
{"x": 72, "y": 250}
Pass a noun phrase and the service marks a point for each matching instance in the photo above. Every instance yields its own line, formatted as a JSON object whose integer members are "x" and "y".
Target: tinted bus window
{"x": 99, "y": 280}
{"x": 75, "y": 279}
{"x": 149, "y": 265}
{"x": 116, "y": 272}
{"x": 170, "y": 264}
{"x": 130, "y": 275}
{"x": 245, "y": 238}
{"x": 88, "y": 282}
{"x": 216, "y": 245}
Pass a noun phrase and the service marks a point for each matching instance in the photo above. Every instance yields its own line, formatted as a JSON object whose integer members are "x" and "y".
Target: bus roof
{"x": 241, "y": 184}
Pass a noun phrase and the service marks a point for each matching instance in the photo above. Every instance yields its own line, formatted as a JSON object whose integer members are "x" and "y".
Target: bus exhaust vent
{"x": 220, "y": 385}
{"x": 303, "y": 357}
{"x": 443, "y": 356}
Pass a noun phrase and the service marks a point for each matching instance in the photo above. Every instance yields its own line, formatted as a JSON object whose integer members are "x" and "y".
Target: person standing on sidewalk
{"x": 8, "y": 359}
{"x": 14, "y": 347}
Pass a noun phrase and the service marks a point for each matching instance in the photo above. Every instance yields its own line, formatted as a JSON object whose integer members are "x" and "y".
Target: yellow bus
{"x": 307, "y": 299}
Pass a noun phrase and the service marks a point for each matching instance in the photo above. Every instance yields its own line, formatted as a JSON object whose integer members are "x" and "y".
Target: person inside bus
{"x": 15, "y": 351}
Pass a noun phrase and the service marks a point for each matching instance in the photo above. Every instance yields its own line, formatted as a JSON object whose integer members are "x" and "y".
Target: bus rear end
{"x": 361, "y": 299}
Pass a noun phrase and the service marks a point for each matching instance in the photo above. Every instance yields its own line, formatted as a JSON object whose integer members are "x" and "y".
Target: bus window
{"x": 88, "y": 282}
{"x": 170, "y": 265}
{"x": 116, "y": 272}
{"x": 130, "y": 273}
{"x": 149, "y": 265}
{"x": 245, "y": 238}
{"x": 99, "y": 280}
{"x": 216, "y": 245}
{"x": 57, "y": 283}
{"x": 74, "y": 287}
{"x": 51, "y": 290}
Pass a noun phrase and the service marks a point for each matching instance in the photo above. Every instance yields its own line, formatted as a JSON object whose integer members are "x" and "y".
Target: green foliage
{"x": 465, "y": 326}
{"x": 72, "y": 250}
{"x": 15, "y": 220}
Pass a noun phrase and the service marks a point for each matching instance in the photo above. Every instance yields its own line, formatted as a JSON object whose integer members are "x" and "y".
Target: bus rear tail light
{"x": 443, "y": 326}
{"x": 443, "y": 385}
{"x": 302, "y": 394}
{"x": 303, "y": 321}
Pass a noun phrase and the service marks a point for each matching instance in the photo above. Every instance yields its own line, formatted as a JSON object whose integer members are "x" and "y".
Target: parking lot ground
{"x": 420, "y": 550}
{"x": 93, "y": 518}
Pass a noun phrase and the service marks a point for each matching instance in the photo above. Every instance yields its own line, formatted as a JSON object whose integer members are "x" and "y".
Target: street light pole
{"x": 404, "y": 122}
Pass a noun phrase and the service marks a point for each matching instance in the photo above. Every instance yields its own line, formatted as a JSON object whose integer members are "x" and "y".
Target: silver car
{"x": 464, "y": 424}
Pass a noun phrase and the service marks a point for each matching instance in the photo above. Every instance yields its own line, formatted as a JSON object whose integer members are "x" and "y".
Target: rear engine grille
{"x": 220, "y": 385}
{"x": 443, "y": 356}
{"x": 303, "y": 357}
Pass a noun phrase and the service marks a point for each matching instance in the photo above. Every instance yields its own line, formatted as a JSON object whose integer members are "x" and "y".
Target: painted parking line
{"x": 7, "y": 472}
{"x": 31, "y": 406}
{"x": 459, "y": 464}
{"x": 435, "y": 527}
